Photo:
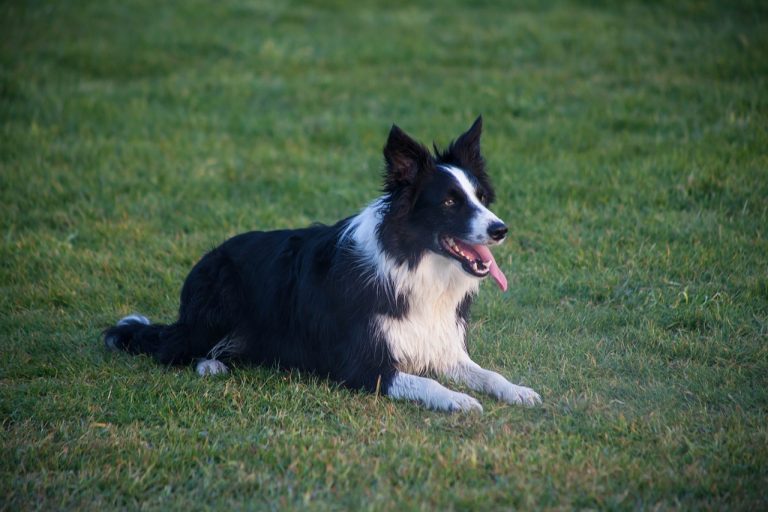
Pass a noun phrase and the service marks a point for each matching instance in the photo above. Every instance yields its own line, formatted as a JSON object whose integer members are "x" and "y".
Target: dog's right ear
{"x": 405, "y": 158}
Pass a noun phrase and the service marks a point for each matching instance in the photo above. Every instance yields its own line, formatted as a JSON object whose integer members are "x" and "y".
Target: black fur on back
{"x": 290, "y": 298}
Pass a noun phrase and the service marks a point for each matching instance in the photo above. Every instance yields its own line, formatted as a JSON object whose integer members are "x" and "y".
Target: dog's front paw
{"x": 431, "y": 394}
{"x": 518, "y": 395}
{"x": 453, "y": 401}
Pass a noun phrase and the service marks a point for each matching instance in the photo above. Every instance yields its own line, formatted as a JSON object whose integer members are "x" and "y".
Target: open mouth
{"x": 476, "y": 260}
{"x": 466, "y": 254}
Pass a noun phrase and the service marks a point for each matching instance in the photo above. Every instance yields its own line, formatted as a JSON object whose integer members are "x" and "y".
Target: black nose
{"x": 497, "y": 230}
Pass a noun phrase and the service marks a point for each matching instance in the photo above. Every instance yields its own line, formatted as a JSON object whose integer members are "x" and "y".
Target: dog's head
{"x": 440, "y": 203}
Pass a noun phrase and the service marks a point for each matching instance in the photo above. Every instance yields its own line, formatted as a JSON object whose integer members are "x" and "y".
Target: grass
{"x": 628, "y": 145}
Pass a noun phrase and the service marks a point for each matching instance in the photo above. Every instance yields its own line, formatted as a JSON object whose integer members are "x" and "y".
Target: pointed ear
{"x": 469, "y": 142}
{"x": 404, "y": 157}
{"x": 466, "y": 149}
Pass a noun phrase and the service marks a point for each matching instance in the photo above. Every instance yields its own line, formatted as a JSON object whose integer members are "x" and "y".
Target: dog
{"x": 378, "y": 301}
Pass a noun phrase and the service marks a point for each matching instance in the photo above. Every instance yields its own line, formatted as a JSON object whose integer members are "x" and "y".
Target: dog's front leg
{"x": 431, "y": 393}
{"x": 470, "y": 373}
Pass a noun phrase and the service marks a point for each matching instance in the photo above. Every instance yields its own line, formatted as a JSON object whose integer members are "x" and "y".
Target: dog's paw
{"x": 210, "y": 367}
{"x": 431, "y": 394}
{"x": 518, "y": 395}
{"x": 460, "y": 402}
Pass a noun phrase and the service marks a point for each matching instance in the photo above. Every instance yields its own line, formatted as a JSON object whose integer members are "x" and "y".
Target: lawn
{"x": 629, "y": 146}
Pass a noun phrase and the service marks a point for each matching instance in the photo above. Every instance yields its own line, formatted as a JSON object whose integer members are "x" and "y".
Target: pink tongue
{"x": 485, "y": 254}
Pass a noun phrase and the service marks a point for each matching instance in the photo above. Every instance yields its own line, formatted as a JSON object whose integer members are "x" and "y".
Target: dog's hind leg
{"x": 205, "y": 367}
{"x": 229, "y": 347}
{"x": 211, "y": 309}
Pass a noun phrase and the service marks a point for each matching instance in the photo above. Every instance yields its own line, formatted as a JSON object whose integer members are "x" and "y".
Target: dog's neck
{"x": 434, "y": 281}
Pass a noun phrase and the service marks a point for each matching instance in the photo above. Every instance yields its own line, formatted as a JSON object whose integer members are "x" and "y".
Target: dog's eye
{"x": 482, "y": 197}
{"x": 449, "y": 202}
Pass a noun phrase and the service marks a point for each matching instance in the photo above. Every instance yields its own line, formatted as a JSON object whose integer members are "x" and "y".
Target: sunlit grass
{"x": 628, "y": 145}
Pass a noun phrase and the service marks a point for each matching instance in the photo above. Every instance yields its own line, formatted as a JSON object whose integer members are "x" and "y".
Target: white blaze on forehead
{"x": 466, "y": 185}
{"x": 484, "y": 217}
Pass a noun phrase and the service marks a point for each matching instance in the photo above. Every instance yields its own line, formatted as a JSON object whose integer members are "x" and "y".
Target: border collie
{"x": 378, "y": 301}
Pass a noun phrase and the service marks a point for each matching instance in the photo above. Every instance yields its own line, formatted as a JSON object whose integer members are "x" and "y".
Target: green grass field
{"x": 629, "y": 147}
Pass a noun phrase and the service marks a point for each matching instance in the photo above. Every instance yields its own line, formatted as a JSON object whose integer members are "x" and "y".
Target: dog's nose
{"x": 497, "y": 230}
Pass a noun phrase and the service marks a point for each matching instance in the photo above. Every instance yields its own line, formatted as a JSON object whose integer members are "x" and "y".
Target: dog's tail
{"x": 136, "y": 335}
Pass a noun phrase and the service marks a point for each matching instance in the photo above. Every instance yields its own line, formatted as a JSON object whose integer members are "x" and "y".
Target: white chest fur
{"x": 430, "y": 337}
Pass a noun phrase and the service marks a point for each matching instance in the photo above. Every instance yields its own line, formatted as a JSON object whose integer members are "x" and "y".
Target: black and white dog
{"x": 377, "y": 301}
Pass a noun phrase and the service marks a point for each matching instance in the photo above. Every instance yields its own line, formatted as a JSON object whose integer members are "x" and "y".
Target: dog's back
{"x": 290, "y": 298}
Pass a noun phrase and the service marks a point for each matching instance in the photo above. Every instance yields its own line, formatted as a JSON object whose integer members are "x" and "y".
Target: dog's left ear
{"x": 467, "y": 147}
